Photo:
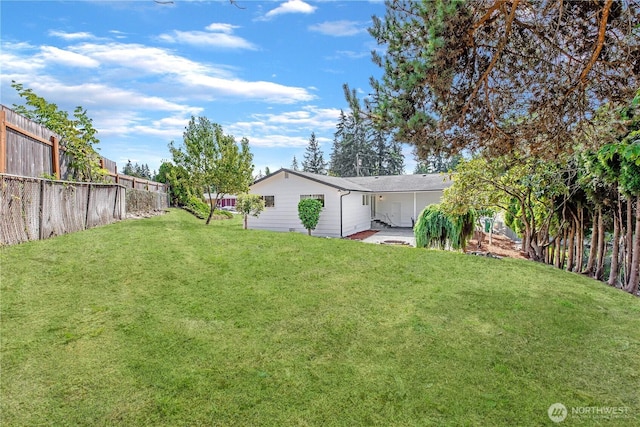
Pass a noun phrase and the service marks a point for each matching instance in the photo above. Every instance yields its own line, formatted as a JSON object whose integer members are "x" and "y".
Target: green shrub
{"x": 309, "y": 213}
{"x": 220, "y": 212}
{"x": 197, "y": 206}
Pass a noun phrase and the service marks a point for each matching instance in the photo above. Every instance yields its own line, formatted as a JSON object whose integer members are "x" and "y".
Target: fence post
{"x": 41, "y": 216}
{"x": 55, "y": 158}
{"x": 86, "y": 217}
{"x": 115, "y": 203}
{"x": 3, "y": 142}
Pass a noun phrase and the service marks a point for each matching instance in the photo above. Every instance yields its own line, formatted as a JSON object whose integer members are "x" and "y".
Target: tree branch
{"x": 495, "y": 58}
{"x": 601, "y": 33}
{"x": 596, "y": 52}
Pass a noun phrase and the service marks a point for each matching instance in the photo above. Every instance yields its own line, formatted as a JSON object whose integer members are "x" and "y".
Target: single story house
{"x": 350, "y": 205}
{"x": 227, "y": 200}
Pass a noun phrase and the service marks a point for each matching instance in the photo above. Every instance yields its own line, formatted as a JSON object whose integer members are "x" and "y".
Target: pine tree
{"x": 294, "y": 164}
{"x": 395, "y": 159}
{"x": 267, "y": 171}
{"x": 359, "y": 148}
{"x": 313, "y": 158}
{"x": 128, "y": 169}
{"x": 437, "y": 163}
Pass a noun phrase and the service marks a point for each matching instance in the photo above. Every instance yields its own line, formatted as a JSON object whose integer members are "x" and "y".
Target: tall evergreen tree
{"x": 361, "y": 149}
{"x": 294, "y": 164}
{"x": 313, "y": 158}
{"x": 395, "y": 158}
{"x": 437, "y": 163}
{"x": 128, "y": 169}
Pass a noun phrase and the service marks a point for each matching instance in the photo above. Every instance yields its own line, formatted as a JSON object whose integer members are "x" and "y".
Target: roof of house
{"x": 375, "y": 184}
{"x": 403, "y": 183}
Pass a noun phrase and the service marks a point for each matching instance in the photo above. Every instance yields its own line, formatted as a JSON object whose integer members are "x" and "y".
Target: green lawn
{"x": 166, "y": 321}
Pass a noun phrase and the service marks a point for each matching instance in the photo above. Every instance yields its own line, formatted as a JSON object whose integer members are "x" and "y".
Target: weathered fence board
{"x": 63, "y": 208}
{"x": 32, "y": 208}
{"x": 26, "y": 156}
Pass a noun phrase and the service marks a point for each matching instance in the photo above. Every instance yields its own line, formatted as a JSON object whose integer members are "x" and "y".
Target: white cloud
{"x": 278, "y": 141}
{"x": 15, "y": 64}
{"x": 51, "y": 54}
{"x": 288, "y": 128}
{"x": 349, "y": 54}
{"x": 101, "y": 96}
{"x": 118, "y": 34}
{"x": 122, "y": 64}
{"x": 221, "y": 27}
{"x": 146, "y": 60}
{"x": 217, "y": 35}
{"x": 338, "y": 28}
{"x": 309, "y": 117}
{"x": 71, "y": 36}
{"x": 290, "y": 6}
{"x": 268, "y": 91}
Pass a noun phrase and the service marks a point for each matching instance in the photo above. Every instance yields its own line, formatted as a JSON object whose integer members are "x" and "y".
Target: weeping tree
{"x": 436, "y": 229}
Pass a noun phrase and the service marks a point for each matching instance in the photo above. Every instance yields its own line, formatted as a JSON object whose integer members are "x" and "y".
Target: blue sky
{"x": 272, "y": 72}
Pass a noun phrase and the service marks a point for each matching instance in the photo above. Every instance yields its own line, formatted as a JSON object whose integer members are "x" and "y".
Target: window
{"x": 313, "y": 196}
{"x": 269, "y": 201}
{"x": 365, "y": 199}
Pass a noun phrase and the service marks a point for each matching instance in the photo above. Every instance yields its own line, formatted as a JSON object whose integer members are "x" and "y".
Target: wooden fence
{"x": 33, "y": 208}
{"x": 30, "y": 149}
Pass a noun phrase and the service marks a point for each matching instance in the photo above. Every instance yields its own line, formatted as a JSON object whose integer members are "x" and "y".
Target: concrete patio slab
{"x": 393, "y": 235}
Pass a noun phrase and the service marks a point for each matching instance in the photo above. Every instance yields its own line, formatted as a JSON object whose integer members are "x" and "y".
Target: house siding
{"x": 356, "y": 217}
{"x": 284, "y": 215}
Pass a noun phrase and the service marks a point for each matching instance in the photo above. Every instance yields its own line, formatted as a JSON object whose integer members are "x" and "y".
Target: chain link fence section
{"x": 33, "y": 208}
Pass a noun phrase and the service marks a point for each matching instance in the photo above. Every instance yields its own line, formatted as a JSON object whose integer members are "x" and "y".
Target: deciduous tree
{"x": 249, "y": 204}
{"x": 213, "y": 160}
{"x": 309, "y": 213}
{"x": 78, "y": 136}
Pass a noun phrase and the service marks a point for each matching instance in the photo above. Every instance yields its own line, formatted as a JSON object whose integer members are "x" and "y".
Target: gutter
{"x": 341, "y": 196}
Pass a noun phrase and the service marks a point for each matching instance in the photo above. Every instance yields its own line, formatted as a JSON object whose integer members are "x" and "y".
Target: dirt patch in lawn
{"x": 362, "y": 235}
{"x": 501, "y": 246}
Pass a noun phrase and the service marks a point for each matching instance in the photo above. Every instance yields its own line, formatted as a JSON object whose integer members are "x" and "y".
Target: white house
{"x": 350, "y": 204}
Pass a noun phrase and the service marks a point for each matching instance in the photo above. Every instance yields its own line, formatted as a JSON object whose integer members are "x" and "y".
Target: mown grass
{"x": 166, "y": 321}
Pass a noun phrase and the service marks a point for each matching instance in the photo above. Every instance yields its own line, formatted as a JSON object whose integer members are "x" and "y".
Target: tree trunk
{"x": 602, "y": 247}
{"x": 309, "y": 231}
{"x": 613, "y": 274}
{"x": 245, "y": 221}
{"x": 593, "y": 249}
{"x": 211, "y": 204}
{"x": 563, "y": 248}
{"x": 629, "y": 240}
{"x": 571, "y": 246}
{"x": 580, "y": 243}
{"x": 491, "y": 233}
{"x": 480, "y": 237}
{"x": 634, "y": 279}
